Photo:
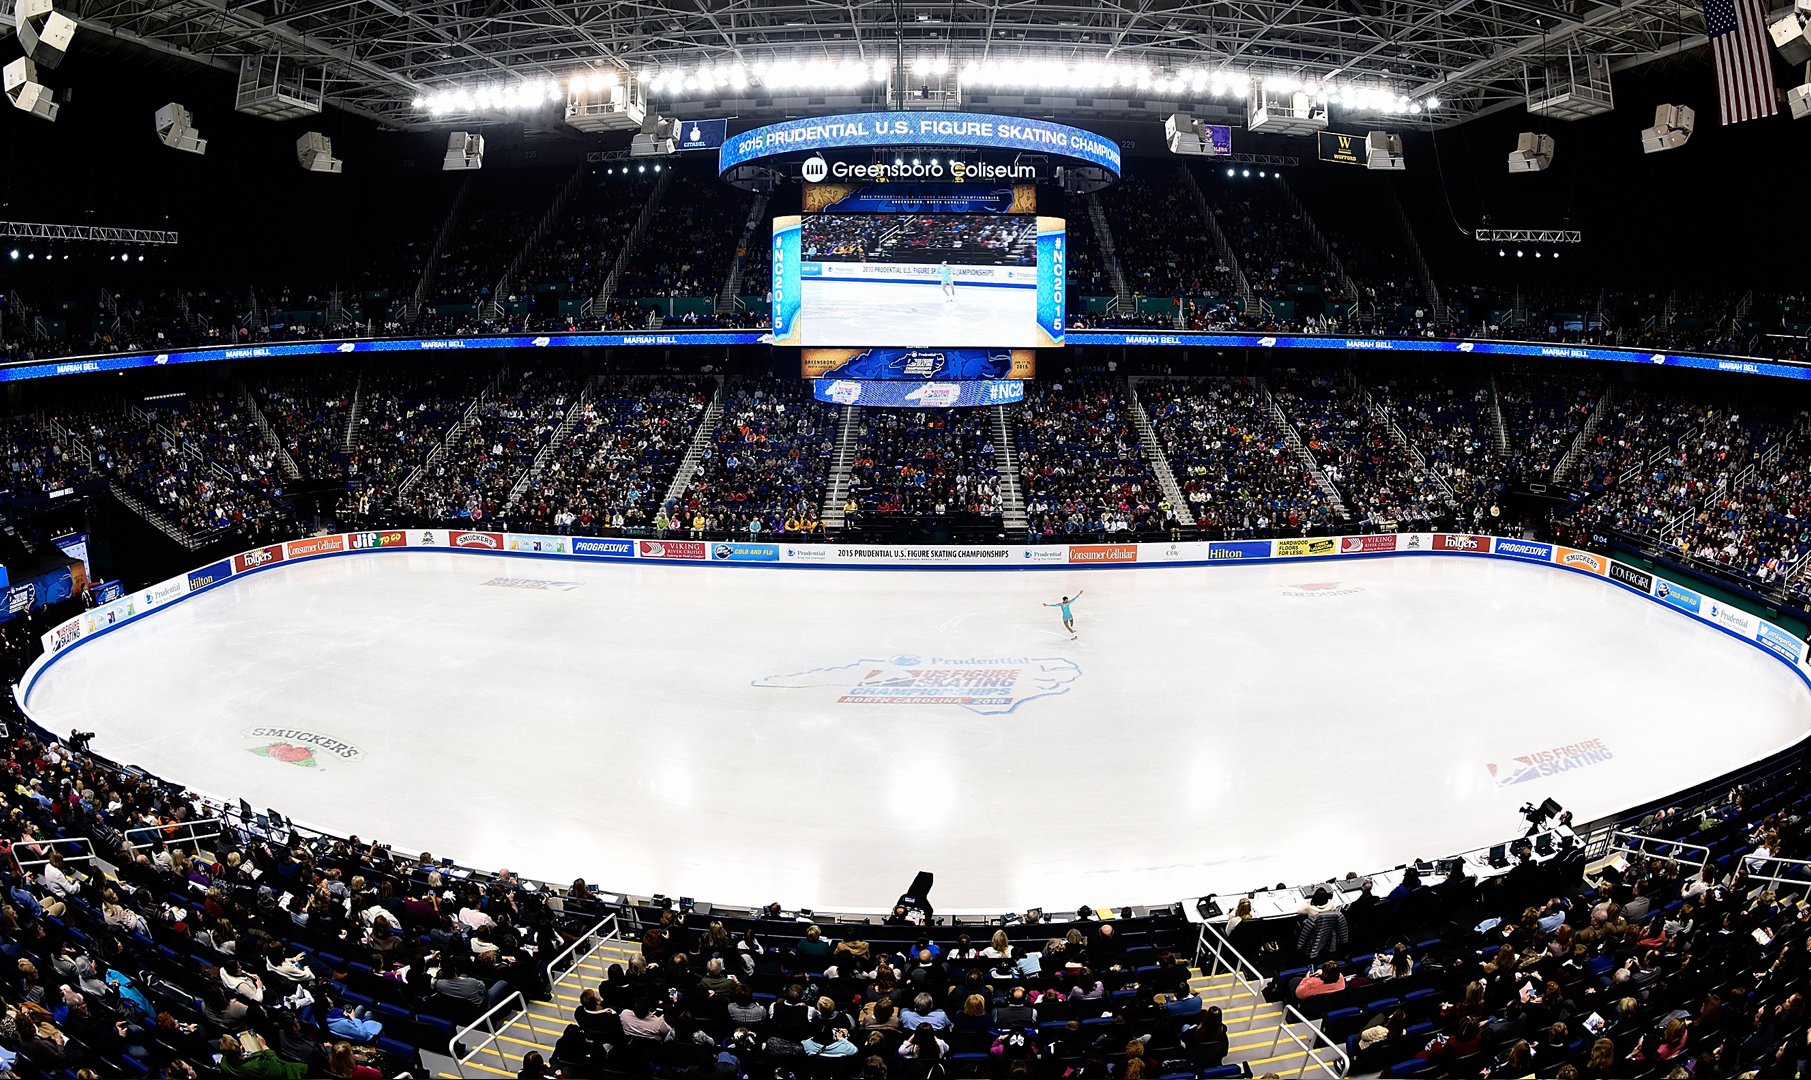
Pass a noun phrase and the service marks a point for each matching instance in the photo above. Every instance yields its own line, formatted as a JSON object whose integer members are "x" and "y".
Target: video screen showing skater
{"x": 919, "y": 279}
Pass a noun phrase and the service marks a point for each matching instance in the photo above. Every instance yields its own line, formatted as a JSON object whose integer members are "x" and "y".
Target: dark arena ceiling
{"x": 1420, "y": 62}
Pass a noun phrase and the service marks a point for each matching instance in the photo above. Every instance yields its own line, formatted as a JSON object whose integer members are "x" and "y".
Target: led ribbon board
{"x": 959, "y": 131}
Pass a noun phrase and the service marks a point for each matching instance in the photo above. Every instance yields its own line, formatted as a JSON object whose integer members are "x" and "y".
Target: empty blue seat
{"x": 388, "y": 1012}
{"x": 1223, "y": 1072}
{"x": 1382, "y": 1005}
{"x": 400, "y": 1050}
{"x": 1420, "y": 1031}
{"x": 1411, "y": 1067}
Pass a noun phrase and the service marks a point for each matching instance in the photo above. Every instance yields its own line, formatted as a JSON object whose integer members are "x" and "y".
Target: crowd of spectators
{"x": 1082, "y": 469}
{"x": 1448, "y": 421}
{"x": 582, "y": 247}
{"x": 1164, "y": 250}
{"x": 36, "y": 462}
{"x": 1232, "y": 459}
{"x": 309, "y": 411}
{"x": 690, "y": 240}
{"x": 926, "y": 463}
{"x": 1271, "y": 240}
{"x": 612, "y": 471}
{"x": 473, "y": 480}
{"x": 764, "y": 467}
{"x": 1377, "y": 478}
{"x": 1542, "y": 416}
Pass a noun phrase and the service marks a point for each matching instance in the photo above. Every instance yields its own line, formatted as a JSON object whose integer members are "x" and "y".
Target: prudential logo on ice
{"x": 986, "y": 685}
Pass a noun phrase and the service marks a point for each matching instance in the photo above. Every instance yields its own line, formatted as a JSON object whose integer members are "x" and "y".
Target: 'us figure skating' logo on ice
{"x": 986, "y": 685}
{"x": 1552, "y": 762}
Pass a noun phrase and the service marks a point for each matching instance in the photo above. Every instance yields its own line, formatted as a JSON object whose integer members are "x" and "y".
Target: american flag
{"x": 1737, "y": 30}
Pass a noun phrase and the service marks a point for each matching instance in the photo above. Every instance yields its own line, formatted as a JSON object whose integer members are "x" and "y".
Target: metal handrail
{"x": 1221, "y": 947}
{"x": 154, "y": 832}
{"x": 52, "y": 842}
{"x": 1637, "y": 844}
{"x": 1339, "y": 1068}
{"x": 492, "y": 1032}
{"x": 613, "y": 935}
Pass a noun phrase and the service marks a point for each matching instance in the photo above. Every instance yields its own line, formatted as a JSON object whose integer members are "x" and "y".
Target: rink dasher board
{"x": 1775, "y": 641}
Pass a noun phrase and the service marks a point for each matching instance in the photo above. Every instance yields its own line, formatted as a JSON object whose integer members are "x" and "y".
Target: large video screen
{"x": 925, "y": 279}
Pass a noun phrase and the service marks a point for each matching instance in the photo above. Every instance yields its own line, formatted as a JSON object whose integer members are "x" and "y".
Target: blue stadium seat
{"x": 1411, "y": 1067}
{"x": 1224, "y": 1072}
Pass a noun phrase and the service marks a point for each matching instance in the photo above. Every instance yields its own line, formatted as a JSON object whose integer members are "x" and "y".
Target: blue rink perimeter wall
{"x": 82, "y": 365}
{"x": 1736, "y": 622}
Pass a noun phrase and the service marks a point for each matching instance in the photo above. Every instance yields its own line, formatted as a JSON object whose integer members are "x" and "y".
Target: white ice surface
{"x": 1225, "y": 731}
{"x": 868, "y": 313}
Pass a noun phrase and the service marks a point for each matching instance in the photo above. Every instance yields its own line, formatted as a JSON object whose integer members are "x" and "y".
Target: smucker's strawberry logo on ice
{"x": 297, "y": 747}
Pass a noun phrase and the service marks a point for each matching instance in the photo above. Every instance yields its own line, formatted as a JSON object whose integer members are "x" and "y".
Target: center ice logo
{"x": 989, "y": 686}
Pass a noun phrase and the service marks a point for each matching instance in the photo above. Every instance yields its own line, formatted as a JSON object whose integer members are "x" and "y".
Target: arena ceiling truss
{"x": 381, "y": 57}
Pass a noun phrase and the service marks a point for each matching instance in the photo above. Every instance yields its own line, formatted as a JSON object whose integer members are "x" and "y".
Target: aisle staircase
{"x": 732, "y": 281}
{"x": 1103, "y": 235}
{"x": 1498, "y": 429}
{"x": 842, "y": 465}
{"x": 694, "y": 452}
{"x": 1006, "y": 462}
{"x": 1294, "y": 439}
{"x": 1156, "y": 458}
{"x": 554, "y": 440}
{"x": 1423, "y": 276}
{"x": 1401, "y": 439}
{"x": 269, "y": 431}
{"x": 350, "y": 442}
{"x": 417, "y": 300}
{"x": 1583, "y": 439}
{"x": 452, "y": 433}
{"x": 607, "y": 291}
{"x": 496, "y": 1044}
{"x": 1248, "y": 298}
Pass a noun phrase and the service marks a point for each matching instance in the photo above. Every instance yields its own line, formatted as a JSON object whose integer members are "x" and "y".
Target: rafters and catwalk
{"x": 381, "y": 55}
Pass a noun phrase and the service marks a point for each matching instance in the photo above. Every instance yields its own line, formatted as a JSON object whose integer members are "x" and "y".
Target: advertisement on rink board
{"x": 545, "y": 545}
{"x": 1524, "y": 549}
{"x": 671, "y": 549}
{"x": 1363, "y": 545}
{"x": 1678, "y": 596}
{"x": 1734, "y": 620}
{"x": 1581, "y": 560}
{"x": 1317, "y": 545}
{"x": 609, "y": 549}
{"x": 477, "y": 541}
{"x": 208, "y": 575}
{"x": 1103, "y": 553}
{"x": 1630, "y": 576}
{"x": 388, "y": 539}
{"x": 251, "y": 560}
{"x": 315, "y": 545}
{"x": 1473, "y": 545}
{"x": 1781, "y": 643}
{"x": 745, "y": 553}
{"x": 1232, "y": 550}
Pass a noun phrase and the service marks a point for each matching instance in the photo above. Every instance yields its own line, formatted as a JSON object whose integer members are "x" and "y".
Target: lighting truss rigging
{"x": 31, "y": 230}
{"x": 1530, "y": 236}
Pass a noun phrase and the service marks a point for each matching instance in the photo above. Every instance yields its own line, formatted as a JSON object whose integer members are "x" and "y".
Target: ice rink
{"x": 745, "y": 734}
{"x": 894, "y": 313}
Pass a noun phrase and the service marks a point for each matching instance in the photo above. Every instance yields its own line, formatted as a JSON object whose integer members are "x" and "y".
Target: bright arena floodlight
{"x": 174, "y": 129}
{"x": 1672, "y": 128}
{"x": 44, "y": 32}
{"x": 315, "y": 153}
{"x": 1532, "y": 153}
{"x": 26, "y": 92}
{"x": 464, "y": 152}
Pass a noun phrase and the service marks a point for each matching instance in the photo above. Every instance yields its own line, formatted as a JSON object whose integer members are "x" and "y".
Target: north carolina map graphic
{"x": 990, "y": 686}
